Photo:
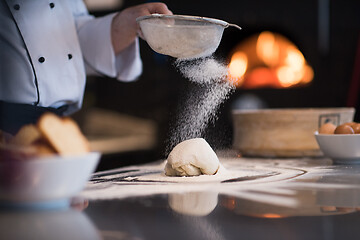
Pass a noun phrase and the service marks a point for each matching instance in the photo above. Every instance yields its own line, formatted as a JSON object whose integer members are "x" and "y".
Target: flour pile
{"x": 201, "y": 105}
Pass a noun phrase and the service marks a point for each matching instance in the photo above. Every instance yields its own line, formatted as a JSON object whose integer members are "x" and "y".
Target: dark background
{"x": 326, "y": 32}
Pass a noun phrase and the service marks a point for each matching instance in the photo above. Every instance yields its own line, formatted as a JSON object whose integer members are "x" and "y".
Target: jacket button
{"x": 70, "y": 56}
{"x": 17, "y": 7}
{"x": 41, "y": 59}
{"x": 52, "y": 5}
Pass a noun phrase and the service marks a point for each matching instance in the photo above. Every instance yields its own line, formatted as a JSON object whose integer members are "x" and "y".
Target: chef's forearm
{"x": 123, "y": 31}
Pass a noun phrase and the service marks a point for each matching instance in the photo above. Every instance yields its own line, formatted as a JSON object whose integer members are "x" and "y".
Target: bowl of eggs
{"x": 283, "y": 132}
{"x": 340, "y": 143}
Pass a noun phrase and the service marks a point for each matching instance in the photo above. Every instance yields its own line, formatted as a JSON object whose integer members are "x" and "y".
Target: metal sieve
{"x": 182, "y": 36}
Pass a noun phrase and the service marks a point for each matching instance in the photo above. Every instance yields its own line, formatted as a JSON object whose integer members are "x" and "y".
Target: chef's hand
{"x": 124, "y": 28}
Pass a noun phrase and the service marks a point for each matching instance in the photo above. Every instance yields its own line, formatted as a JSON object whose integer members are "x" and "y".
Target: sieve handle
{"x": 233, "y": 25}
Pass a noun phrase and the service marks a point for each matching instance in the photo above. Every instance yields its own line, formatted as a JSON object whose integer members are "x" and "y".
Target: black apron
{"x": 15, "y": 115}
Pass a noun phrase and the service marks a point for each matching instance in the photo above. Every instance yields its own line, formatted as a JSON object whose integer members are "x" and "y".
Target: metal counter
{"x": 268, "y": 199}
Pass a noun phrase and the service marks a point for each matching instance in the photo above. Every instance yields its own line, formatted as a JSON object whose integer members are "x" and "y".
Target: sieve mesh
{"x": 183, "y": 37}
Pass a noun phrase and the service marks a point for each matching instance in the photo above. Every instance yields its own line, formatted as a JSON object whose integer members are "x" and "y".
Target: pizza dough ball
{"x": 192, "y": 157}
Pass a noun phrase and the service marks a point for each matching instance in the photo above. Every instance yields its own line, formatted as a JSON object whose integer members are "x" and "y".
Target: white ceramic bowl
{"x": 47, "y": 180}
{"x": 341, "y": 148}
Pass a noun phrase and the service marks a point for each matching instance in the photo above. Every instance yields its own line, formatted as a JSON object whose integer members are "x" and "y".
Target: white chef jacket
{"x": 47, "y": 47}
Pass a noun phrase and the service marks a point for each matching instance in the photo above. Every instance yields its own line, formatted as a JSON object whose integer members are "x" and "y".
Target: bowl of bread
{"x": 45, "y": 164}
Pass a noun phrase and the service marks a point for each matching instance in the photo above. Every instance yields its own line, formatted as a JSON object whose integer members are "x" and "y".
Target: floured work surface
{"x": 264, "y": 180}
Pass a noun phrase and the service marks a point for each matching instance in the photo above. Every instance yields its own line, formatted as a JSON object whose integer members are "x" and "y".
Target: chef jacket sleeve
{"x": 98, "y": 53}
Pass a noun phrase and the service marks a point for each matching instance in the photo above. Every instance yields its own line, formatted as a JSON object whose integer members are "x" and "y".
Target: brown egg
{"x": 327, "y": 128}
{"x": 356, "y": 128}
{"x": 351, "y": 124}
{"x": 344, "y": 129}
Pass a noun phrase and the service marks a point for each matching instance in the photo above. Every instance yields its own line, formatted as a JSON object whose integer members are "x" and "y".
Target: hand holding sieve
{"x": 182, "y": 36}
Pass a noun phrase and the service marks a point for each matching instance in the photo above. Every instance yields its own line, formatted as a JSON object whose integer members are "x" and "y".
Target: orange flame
{"x": 238, "y": 67}
{"x": 267, "y": 48}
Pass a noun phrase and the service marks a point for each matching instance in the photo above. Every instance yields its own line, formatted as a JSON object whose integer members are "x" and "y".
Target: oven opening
{"x": 268, "y": 59}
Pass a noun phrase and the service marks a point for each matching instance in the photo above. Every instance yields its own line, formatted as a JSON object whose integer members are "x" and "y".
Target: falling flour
{"x": 200, "y": 106}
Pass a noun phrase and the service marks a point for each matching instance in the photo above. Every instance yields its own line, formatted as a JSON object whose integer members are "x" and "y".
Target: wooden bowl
{"x": 283, "y": 132}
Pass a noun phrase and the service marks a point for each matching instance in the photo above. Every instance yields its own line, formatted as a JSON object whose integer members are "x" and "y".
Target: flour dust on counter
{"x": 273, "y": 182}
